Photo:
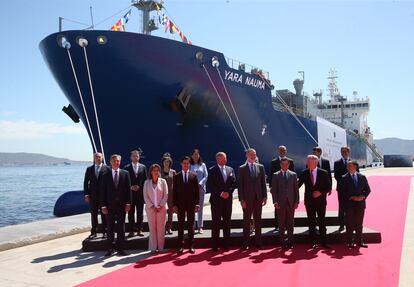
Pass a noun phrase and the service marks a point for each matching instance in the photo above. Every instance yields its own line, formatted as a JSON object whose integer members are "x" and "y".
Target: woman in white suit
{"x": 155, "y": 196}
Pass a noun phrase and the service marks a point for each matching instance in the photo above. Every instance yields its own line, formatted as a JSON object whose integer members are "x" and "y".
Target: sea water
{"x": 28, "y": 193}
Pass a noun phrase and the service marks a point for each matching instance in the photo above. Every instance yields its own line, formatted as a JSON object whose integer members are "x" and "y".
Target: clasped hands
{"x": 135, "y": 188}
{"x": 105, "y": 209}
{"x": 357, "y": 198}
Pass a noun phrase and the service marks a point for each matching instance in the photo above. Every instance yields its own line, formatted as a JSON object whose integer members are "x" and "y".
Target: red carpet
{"x": 376, "y": 266}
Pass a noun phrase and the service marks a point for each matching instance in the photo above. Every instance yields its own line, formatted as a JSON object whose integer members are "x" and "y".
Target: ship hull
{"x": 153, "y": 94}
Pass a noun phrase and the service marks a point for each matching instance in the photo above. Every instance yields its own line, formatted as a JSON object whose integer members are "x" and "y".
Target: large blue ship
{"x": 139, "y": 91}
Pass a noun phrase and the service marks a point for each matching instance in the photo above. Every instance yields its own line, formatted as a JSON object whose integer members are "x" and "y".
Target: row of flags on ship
{"x": 163, "y": 20}
{"x": 120, "y": 24}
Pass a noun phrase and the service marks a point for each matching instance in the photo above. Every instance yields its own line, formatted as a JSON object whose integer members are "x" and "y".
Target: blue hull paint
{"x": 136, "y": 80}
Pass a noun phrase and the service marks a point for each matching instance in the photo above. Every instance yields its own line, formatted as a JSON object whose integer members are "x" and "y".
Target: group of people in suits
{"x": 352, "y": 190}
{"x": 117, "y": 192}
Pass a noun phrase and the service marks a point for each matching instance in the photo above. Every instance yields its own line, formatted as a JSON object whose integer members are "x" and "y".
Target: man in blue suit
{"x": 115, "y": 203}
{"x": 355, "y": 188}
{"x": 221, "y": 183}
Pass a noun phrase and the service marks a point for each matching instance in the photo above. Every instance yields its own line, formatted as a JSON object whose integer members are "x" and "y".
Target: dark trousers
{"x": 317, "y": 207}
{"x": 286, "y": 216}
{"x": 221, "y": 214}
{"x": 94, "y": 208}
{"x": 190, "y": 225}
{"x": 253, "y": 208}
{"x": 276, "y": 219}
{"x": 116, "y": 216}
{"x": 168, "y": 224}
{"x": 137, "y": 207}
{"x": 341, "y": 210}
{"x": 354, "y": 222}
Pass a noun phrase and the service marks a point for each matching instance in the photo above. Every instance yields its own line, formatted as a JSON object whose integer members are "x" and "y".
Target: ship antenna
{"x": 92, "y": 25}
{"x": 332, "y": 86}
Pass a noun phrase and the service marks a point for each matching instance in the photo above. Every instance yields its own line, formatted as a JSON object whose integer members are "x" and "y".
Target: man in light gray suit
{"x": 252, "y": 196}
{"x": 285, "y": 193}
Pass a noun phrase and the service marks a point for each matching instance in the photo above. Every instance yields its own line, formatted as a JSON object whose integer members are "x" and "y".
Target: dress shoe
{"x": 140, "y": 234}
{"x": 325, "y": 246}
{"x": 350, "y": 245}
{"x": 290, "y": 245}
{"x": 122, "y": 253}
{"x": 214, "y": 249}
{"x": 131, "y": 234}
{"x": 314, "y": 246}
{"x": 285, "y": 246}
{"x": 92, "y": 235}
{"x": 259, "y": 247}
{"x": 341, "y": 228}
{"x": 362, "y": 244}
{"x": 103, "y": 235}
{"x": 170, "y": 232}
{"x": 191, "y": 250}
{"x": 225, "y": 248}
{"x": 276, "y": 229}
{"x": 245, "y": 247}
{"x": 200, "y": 231}
{"x": 180, "y": 250}
{"x": 109, "y": 252}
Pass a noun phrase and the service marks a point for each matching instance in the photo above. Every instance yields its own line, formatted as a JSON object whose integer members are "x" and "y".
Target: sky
{"x": 369, "y": 43}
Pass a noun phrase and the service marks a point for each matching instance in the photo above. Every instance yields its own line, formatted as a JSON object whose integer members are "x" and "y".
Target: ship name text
{"x": 248, "y": 81}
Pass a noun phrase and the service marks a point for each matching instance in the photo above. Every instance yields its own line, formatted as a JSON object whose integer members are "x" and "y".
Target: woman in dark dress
{"x": 168, "y": 173}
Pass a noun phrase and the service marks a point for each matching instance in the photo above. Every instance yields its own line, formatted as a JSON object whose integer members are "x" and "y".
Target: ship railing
{"x": 299, "y": 112}
{"x": 237, "y": 65}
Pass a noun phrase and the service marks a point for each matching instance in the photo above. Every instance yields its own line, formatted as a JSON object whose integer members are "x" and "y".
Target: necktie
{"x": 312, "y": 178}
{"x": 97, "y": 168}
{"x": 285, "y": 176}
{"x": 223, "y": 171}
{"x": 185, "y": 177}
{"x": 252, "y": 170}
{"x": 116, "y": 179}
{"x": 354, "y": 177}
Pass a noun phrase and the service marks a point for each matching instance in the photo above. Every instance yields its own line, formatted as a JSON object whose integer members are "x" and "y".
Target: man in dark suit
{"x": 221, "y": 183}
{"x": 252, "y": 196}
{"x": 115, "y": 202}
{"x": 285, "y": 193}
{"x": 91, "y": 181}
{"x": 340, "y": 168}
{"x": 323, "y": 163}
{"x": 275, "y": 167}
{"x": 355, "y": 188}
{"x": 186, "y": 201}
{"x": 317, "y": 185}
{"x": 138, "y": 175}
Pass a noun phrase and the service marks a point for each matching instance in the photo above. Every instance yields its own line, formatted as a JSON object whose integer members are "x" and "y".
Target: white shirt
{"x": 135, "y": 167}
{"x": 155, "y": 191}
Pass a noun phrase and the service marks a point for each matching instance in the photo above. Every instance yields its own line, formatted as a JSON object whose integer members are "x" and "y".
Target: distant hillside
{"x": 395, "y": 146}
{"x": 22, "y": 158}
